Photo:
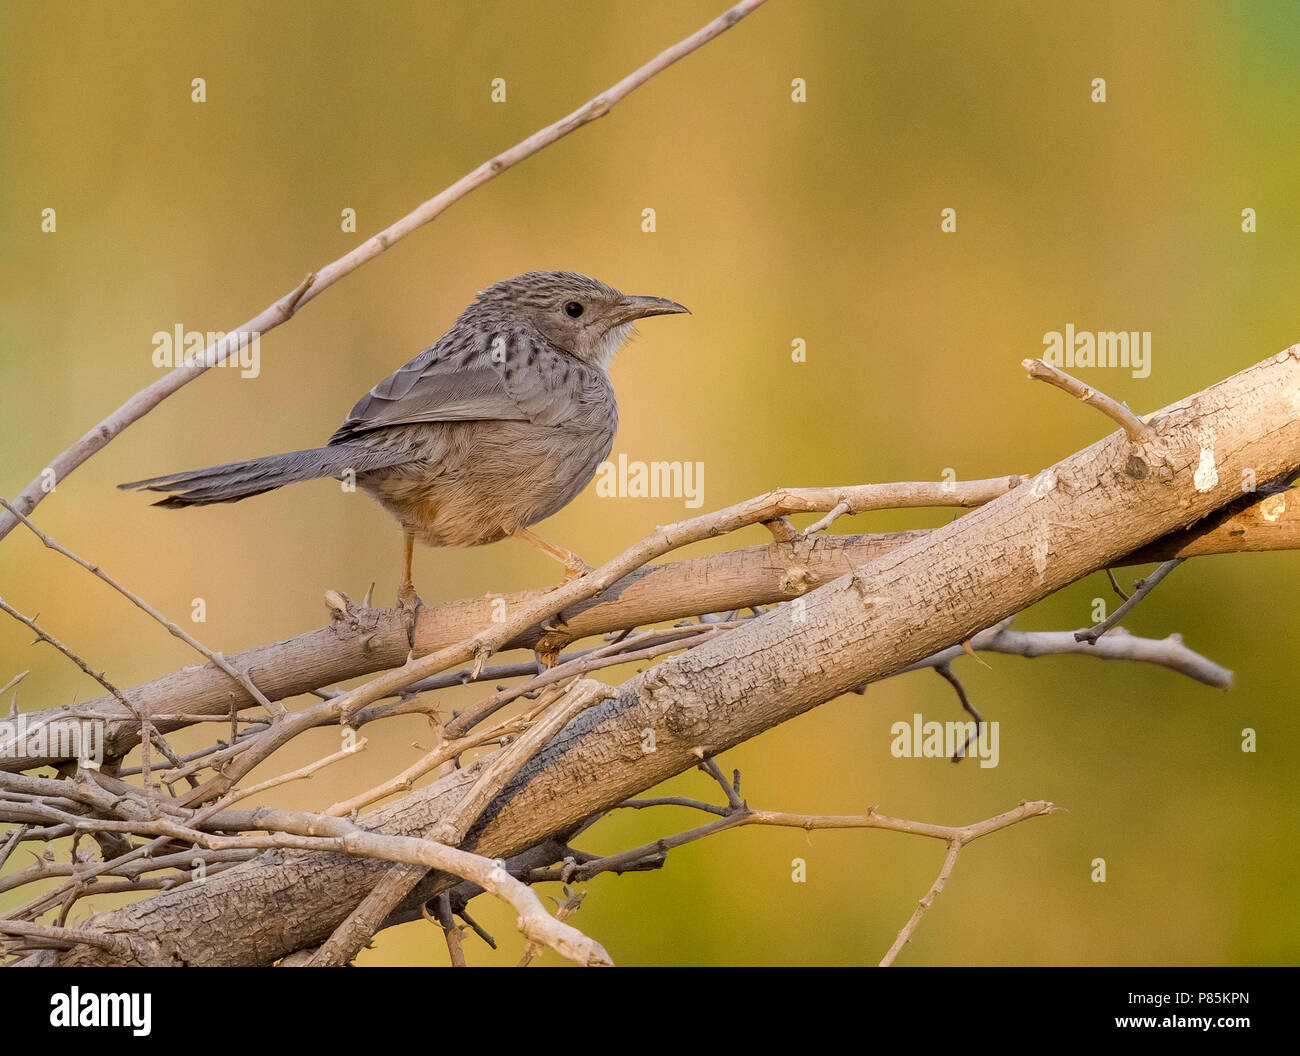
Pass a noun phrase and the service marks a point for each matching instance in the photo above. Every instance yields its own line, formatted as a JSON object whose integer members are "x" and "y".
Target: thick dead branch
{"x": 363, "y": 641}
{"x": 1136, "y": 429}
{"x": 376, "y": 641}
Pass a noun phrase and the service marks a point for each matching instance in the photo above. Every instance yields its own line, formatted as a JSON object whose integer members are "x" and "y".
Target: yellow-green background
{"x": 776, "y": 220}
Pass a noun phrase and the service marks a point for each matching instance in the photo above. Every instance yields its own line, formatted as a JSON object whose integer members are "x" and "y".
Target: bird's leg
{"x": 407, "y": 599}
{"x": 574, "y": 566}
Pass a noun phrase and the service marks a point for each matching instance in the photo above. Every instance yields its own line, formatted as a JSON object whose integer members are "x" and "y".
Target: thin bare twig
{"x": 1138, "y": 431}
{"x": 614, "y": 654}
{"x": 652, "y": 855}
{"x": 450, "y": 929}
{"x": 837, "y": 511}
{"x": 731, "y": 788}
{"x": 242, "y": 677}
{"x": 957, "y": 839}
{"x": 563, "y": 911}
{"x": 43, "y": 635}
{"x": 1114, "y": 583}
{"x": 50, "y": 936}
{"x": 148, "y": 735}
{"x": 301, "y": 830}
{"x": 350, "y": 936}
{"x": 1168, "y": 652}
{"x": 302, "y": 773}
{"x": 1141, "y": 589}
{"x": 945, "y": 669}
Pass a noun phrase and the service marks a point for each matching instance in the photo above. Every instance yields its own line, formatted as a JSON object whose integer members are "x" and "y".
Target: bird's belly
{"x": 476, "y": 482}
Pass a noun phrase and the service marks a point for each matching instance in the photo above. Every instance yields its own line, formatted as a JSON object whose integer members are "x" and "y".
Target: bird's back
{"x": 501, "y": 428}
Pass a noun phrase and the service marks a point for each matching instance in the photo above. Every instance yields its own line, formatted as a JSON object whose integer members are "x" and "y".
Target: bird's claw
{"x": 481, "y": 655}
{"x": 409, "y": 603}
{"x": 575, "y": 568}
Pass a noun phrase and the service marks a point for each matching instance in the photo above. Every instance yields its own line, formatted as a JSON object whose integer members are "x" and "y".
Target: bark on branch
{"x": 363, "y": 641}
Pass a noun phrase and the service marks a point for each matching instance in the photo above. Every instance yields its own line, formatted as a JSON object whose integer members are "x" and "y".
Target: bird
{"x": 497, "y": 425}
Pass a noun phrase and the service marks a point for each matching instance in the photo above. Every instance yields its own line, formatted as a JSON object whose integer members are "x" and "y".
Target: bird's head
{"x": 576, "y": 314}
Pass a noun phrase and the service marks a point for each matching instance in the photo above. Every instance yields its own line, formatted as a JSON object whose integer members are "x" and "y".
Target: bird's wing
{"x": 462, "y": 385}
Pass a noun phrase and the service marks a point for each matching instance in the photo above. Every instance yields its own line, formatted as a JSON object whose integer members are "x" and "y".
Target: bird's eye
{"x": 573, "y": 309}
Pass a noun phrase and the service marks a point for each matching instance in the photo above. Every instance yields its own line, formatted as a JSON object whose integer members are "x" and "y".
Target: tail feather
{"x": 241, "y": 480}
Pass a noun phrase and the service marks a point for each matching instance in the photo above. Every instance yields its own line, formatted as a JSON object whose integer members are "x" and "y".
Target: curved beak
{"x": 632, "y": 308}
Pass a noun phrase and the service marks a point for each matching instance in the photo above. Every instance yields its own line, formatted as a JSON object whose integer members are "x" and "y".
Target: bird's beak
{"x": 632, "y": 308}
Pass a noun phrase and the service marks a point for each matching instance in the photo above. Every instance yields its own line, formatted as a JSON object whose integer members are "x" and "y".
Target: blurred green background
{"x": 776, "y": 220}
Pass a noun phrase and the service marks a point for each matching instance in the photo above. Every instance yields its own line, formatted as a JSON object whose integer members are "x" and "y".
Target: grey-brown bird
{"x": 496, "y": 426}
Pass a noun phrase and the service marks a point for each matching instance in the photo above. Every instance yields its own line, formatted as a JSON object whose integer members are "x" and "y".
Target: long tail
{"x": 240, "y": 480}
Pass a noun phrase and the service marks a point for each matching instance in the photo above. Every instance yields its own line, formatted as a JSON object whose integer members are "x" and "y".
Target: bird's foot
{"x": 409, "y": 603}
{"x": 575, "y": 568}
